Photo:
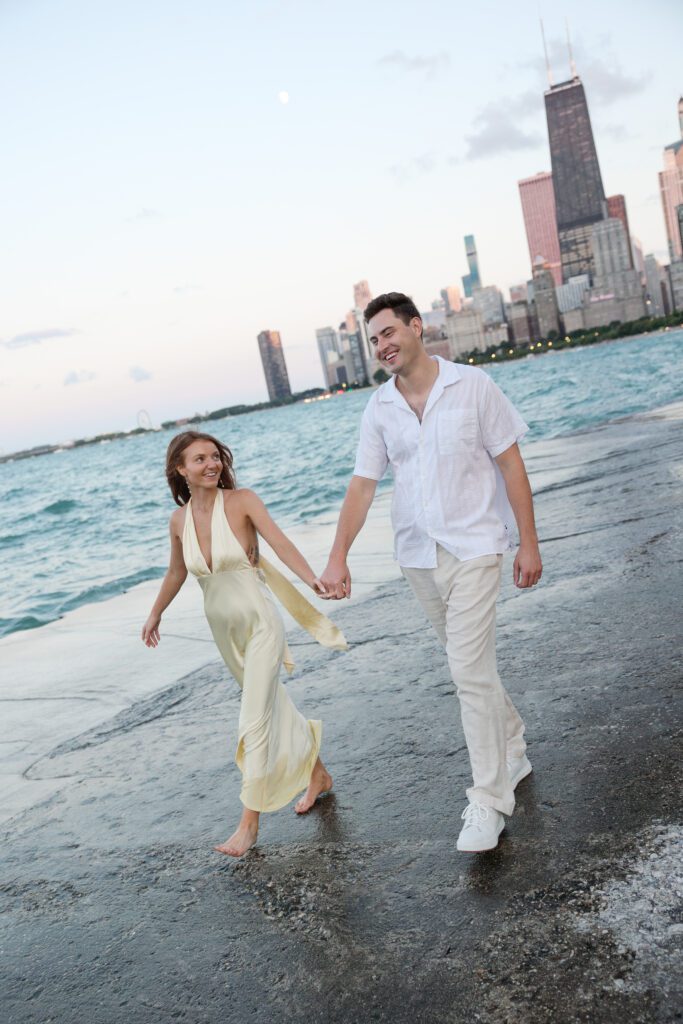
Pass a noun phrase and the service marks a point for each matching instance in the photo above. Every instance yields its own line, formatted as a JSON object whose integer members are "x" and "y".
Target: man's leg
{"x": 471, "y": 589}
{"x": 459, "y": 600}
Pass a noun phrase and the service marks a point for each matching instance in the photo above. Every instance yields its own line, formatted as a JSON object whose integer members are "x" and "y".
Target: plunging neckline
{"x": 190, "y": 510}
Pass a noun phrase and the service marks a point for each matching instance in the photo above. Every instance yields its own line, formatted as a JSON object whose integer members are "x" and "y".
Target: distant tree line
{"x": 585, "y": 336}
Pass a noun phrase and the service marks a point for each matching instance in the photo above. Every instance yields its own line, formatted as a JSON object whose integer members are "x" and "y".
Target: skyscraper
{"x": 616, "y": 292}
{"x": 352, "y": 350}
{"x": 328, "y": 347}
{"x": 274, "y": 366}
{"x": 540, "y": 221}
{"x": 361, "y": 295}
{"x": 577, "y": 182}
{"x": 616, "y": 207}
{"x": 451, "y": 296}
{"x": 545, "y": 300}
{"x": 611, "y": 249}
{"x": 655, "y": 283}
{"x": 472, "y": 280}
{"x": 489, "y": 303}
{"x": 671, "y": 189}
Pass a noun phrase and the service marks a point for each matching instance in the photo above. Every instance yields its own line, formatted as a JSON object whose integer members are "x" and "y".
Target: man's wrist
{"x": 528, "y": 540}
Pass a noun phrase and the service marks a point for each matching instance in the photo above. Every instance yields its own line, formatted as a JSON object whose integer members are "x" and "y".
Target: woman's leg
{"x": 321, "y": 782}
{"x": 244, "y": 836}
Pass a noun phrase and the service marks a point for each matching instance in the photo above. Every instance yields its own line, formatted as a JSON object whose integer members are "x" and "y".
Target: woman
{"x": 214, "y": 535}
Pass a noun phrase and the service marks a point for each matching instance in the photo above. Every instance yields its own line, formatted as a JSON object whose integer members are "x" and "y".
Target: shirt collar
{"x": 449, "y": 373}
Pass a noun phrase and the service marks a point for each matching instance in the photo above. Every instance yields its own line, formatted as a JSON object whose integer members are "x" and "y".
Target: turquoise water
{"x": 85, "y": 524}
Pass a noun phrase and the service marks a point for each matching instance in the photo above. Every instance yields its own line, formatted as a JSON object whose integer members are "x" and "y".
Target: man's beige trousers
{"x": 459, "y": 599}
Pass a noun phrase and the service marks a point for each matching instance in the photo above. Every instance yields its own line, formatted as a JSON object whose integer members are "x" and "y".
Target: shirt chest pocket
{"x": 457, "y": 431}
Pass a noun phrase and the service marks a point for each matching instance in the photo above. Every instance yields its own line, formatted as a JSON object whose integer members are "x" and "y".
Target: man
{"x": 450, "y": 437}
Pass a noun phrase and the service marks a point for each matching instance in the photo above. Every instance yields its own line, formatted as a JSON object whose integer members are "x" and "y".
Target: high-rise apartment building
{"x": 361, "y": 295}
{"x": 472, "y": 280}
{"x": 489, "y": 302}
{"x": 656, "y": 287}
{"x": 274, "y": 366}
{"x": 616, "y": 207}
{"x": 545, "y": 301}
{"x": 353, "y": 352}
{"x": 676, "y": 280}
{"x": 519, "y": 293}
{"x": 671, "y": 190}
{"x": 452, "y": 298}
{"x": 520, "y": 322}
{"x": 465, "y": 331}
{"x": 540, "y": 221}
{"x": 611, "y": 249}
{"x": 328, "y": 348}
{"x": 616, "y": 293}
{"x": 570, "y": 294}
{"x": 638, "y": 256}
{"x": 577, "y": 182}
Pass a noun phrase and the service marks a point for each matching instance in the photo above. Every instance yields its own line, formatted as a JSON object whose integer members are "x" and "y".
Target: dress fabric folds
{"x": 277, "y": 747}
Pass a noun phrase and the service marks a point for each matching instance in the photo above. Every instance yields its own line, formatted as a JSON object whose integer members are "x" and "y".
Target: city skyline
{"x": 144, "y": 249}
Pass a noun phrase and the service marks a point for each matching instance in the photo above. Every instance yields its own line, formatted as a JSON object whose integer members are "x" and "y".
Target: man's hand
{"x": 527, "y": 568}
{"x": 337, "y": 580}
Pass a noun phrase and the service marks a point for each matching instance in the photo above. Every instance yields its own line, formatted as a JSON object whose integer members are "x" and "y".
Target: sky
{"x": 178, "y": 177}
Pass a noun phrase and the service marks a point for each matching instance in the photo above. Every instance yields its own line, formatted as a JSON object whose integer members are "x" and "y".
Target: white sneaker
{"x": 518, "y": 769}
{"x": 482, "y": 827}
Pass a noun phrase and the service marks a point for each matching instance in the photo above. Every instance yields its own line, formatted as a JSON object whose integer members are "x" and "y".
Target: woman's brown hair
{"x": 174, "y": 459}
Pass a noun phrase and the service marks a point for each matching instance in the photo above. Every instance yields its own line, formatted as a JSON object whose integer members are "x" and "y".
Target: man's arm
{"x": 527, "y": 568}
{"x": 357, "y": 502}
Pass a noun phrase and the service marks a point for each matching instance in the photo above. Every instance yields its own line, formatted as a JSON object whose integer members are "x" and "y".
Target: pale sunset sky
{"x": 177, "y": 177}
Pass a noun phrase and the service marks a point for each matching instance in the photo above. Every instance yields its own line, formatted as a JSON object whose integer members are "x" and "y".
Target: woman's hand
{"x": 318, "y": 587}
{"x": 150, "y": 631}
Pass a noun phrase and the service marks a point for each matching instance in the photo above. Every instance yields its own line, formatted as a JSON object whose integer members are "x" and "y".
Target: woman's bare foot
{"x": 321, "y": 782}
{"x": 244, "y": 836}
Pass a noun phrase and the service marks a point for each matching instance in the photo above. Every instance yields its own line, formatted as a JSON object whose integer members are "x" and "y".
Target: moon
{"x": 283, "y": 97}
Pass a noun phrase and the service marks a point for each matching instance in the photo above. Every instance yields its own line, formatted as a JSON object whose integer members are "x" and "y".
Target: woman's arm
{"x": 171, "y": 584}
{"x": 287, "y": 552}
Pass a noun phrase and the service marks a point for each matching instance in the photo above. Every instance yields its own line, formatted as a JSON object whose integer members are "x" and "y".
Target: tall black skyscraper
{"x": 579, "y": 195}
{"x": 274, "y": 366}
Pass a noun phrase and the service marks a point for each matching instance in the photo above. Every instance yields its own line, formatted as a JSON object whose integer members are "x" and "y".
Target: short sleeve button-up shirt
{"x": 447, "y": 488}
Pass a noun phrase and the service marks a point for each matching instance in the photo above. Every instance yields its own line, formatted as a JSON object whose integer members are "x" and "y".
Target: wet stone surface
{"x": 114, "y": 907}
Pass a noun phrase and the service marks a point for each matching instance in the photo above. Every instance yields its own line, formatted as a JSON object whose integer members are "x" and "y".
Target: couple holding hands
{"x": 451, "y": 439}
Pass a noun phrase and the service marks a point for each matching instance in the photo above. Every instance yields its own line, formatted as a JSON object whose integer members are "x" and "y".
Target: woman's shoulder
{"x": 177, "y": 520}
{"x": 239, "y": 495}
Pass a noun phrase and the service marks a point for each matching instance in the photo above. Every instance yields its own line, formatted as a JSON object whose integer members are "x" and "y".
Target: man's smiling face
{"x": 396, "y": 344}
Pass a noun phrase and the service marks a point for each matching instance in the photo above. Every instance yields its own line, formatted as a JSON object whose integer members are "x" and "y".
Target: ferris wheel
{"x": 145, "y": 420}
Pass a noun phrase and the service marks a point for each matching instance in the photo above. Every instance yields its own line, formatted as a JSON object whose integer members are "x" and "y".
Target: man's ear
{"x": 416, "y": 324}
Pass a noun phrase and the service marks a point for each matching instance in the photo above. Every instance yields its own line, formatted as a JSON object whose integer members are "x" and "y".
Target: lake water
{"x": 85, "y": 524}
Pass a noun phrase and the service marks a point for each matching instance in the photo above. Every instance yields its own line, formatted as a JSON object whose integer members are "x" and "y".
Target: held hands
{"x": 150, "y": 631}
{"x": 527, "y": 567}
{"x": 337, "y": 580}
{"x": 318, "y": 588}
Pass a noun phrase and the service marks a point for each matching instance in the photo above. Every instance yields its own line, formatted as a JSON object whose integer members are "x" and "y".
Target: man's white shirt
{"x": 447, "y": 488}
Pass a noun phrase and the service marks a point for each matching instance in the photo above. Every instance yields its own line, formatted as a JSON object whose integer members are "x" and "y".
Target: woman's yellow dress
{"x": 277, "y": 747}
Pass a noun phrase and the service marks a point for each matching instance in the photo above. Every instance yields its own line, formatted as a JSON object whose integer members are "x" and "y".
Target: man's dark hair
{"x": 402, "y": 305}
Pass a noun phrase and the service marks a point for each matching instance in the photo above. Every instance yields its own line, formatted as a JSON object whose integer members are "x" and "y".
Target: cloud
{"x": 144, "y": 215}
{"x": 38, "y": 337}
{"x": 137, "y": 373}
{"x": 415, "y": 168}
{"x": 607, "y": 83}
{"x": 616, "y": 132}
{"x": 429, "y": 65}
{"x": 79, "y": 377}
{"x": 183, "y": 289}
{"x": 496, "y": 128}
{"x": 603, "y": 76}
